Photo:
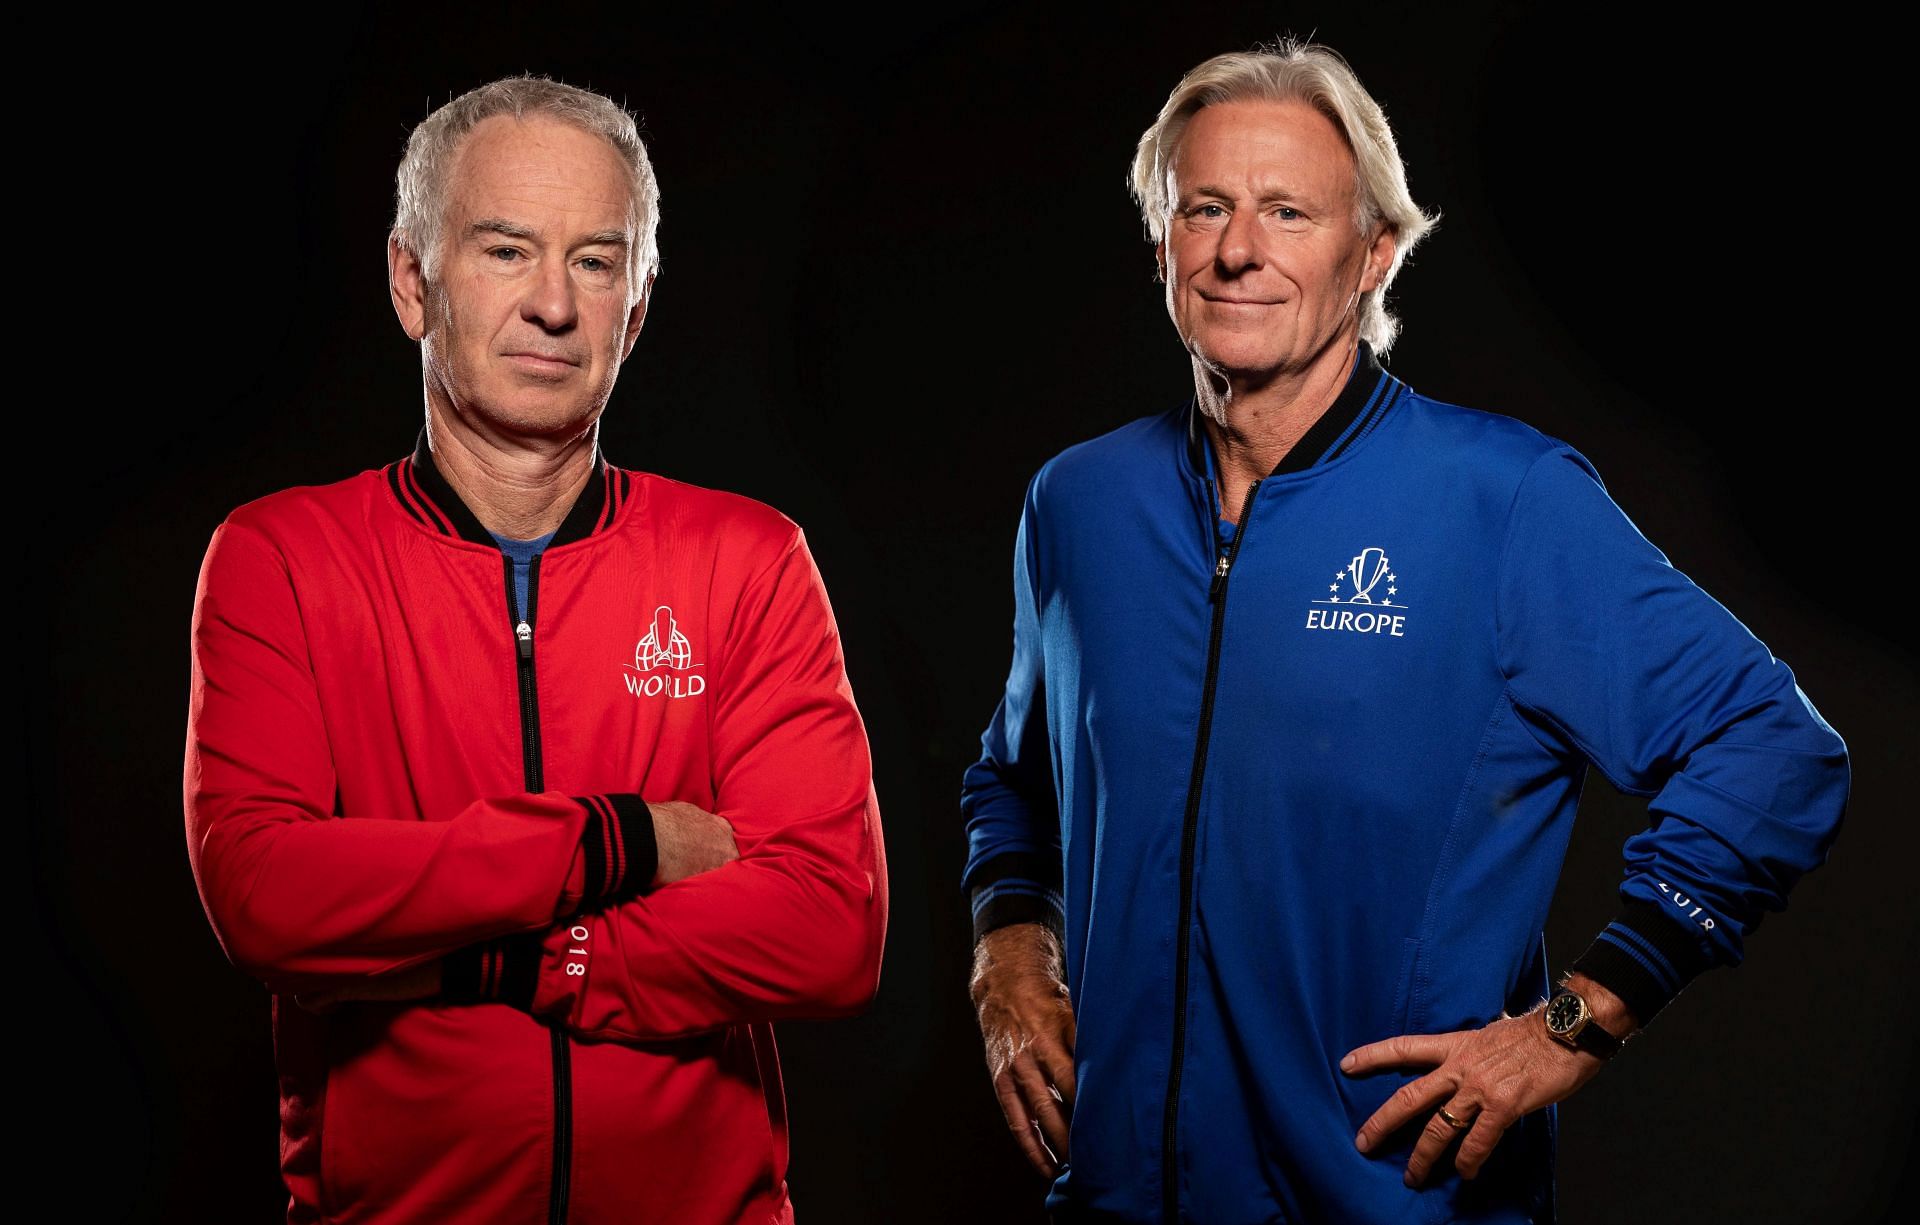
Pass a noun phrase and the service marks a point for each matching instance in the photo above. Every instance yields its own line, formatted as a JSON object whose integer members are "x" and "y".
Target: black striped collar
{"x": 1353, "y": 413}
{"x": 425, "y": 495}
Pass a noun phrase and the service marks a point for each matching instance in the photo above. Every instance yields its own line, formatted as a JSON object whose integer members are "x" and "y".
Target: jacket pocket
{"x": 1403, "y": 1012}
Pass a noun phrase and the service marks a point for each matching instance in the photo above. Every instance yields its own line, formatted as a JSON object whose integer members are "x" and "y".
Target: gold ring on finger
{"x": 1446, "y": 1117}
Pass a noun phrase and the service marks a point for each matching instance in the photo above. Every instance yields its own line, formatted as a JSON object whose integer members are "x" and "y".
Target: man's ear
{"x": 638, "y": 315}
{"x": 407, "y": 282}
{"x": 1379, "y": 259}
{"x": 1160, "y": 260}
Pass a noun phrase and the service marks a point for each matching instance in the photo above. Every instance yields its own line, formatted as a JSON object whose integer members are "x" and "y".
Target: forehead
{"x": 541, "y": 172}
{"x": 1263, "y": 145}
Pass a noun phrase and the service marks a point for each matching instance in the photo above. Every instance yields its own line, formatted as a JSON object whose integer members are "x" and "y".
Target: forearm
{"x": 302, "y": 903}
{"x": 774, "y": 935}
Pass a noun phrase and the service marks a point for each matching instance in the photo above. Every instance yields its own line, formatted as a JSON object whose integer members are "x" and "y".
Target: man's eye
{"x": 1210, "y": 210}
{"x": 1287, "y": 214}
{"x": 505, "y": 255}
{"x": 594, "y": 263}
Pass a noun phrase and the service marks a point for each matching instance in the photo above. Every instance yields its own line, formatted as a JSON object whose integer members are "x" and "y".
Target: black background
{"x": 900, "y": 271}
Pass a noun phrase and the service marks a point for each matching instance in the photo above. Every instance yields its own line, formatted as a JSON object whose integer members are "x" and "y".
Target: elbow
{"x": 849, "y": 964}
{"x": 256, "y": 950}
{"x": 267, "y": 943}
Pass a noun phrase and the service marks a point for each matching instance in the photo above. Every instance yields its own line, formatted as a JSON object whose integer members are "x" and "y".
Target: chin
{"x": 1251, "y": 362}
{"x": 544, "y": 416}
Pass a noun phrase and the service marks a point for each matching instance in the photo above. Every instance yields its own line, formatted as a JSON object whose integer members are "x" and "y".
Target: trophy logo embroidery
{"x": 1361, "y": 598}
{"x": 660, "y": 653}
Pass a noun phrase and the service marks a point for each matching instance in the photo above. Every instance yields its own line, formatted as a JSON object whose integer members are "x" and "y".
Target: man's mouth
{"x": 543, "y": 362}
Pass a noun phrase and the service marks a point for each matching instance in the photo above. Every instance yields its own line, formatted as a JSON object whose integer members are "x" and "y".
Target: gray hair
{"x": 421, "y": 184}
{"x": 1318, "y": 75}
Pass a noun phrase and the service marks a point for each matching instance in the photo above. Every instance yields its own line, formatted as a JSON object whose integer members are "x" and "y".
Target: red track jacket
{"x": 387, "y": 762}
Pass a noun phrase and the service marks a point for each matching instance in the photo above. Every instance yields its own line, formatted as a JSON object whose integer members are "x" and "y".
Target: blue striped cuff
{"x": 1018, "y": 887}
{"x": 1644, "y": 957}
{"x": 1018, "y": 901}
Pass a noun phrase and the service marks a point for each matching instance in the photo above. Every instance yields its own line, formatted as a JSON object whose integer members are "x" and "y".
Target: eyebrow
{"x": 513, "y": 229}
{"x": 1279, "y": 193}
{"x": 500, "y": 225}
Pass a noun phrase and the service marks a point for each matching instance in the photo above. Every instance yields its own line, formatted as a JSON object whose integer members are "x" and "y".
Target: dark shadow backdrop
{"x": 900, "y": 271}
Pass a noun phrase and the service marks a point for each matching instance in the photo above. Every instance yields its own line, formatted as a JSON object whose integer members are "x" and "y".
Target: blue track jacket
{"x": 1303, "y": 786}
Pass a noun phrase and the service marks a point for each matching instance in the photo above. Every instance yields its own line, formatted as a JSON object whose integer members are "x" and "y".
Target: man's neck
{"x": 520, "y": 488}
{"x": 1252, "y": 427}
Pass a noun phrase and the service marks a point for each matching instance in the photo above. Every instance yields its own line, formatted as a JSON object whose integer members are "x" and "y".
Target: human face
{"x": 532, "y": 309}
{"x": 1263, "y": 265}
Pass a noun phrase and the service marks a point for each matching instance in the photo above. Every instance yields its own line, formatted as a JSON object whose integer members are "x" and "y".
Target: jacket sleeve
{"x": 1008, "y": 796}
{"x": 301, "y": 898}
{"x": 792, "y": 928}
{"x": 1616, "y": 656}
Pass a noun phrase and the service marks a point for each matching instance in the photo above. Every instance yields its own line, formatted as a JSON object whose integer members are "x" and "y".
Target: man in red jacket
{"x": 532, "y": 787}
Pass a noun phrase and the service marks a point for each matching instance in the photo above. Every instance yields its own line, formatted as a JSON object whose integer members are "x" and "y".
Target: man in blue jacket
{"x": 1306, "y": 677}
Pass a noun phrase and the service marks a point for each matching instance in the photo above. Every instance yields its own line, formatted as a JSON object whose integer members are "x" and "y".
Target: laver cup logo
{"x": 663, "y": 662}
{"x": 1371, "y": 563}
{"x": 1361, "y": 598}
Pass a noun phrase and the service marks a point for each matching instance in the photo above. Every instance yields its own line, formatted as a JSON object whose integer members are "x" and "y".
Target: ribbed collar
{"x": 1365, "y": 398}
{"x": 425, "y": 495}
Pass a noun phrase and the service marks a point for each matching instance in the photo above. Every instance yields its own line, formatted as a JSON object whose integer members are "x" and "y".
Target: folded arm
{"x": 302, "y": 899}
{"x": 794, "y": 926}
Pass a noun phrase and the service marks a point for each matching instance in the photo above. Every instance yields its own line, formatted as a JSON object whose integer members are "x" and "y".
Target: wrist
{"x": 1570, "y": 1019}
{"x": 1018, "y": 950}
{"x": 1610, "y": 1012}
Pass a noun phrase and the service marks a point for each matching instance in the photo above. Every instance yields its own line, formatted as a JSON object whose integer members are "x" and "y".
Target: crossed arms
{"x": 685, "y": 932}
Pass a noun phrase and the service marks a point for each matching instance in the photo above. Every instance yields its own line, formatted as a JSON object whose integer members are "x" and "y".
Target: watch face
{"x": 1565, "y": 1012}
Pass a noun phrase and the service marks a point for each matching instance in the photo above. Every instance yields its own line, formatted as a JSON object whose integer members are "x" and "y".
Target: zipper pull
{"x": 524, "y": 633}
{"x": 1219, "y": 579}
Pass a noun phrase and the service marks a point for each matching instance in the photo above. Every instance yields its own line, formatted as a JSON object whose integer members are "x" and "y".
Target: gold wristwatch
{"x": 1570, "y": 1022}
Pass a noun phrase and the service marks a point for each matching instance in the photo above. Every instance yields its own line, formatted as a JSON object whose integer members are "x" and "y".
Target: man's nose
{"x": 1239, "y": 249}
{"x": 549, "y": 299}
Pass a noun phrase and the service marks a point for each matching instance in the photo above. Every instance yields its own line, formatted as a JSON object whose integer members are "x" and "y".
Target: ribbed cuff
{"x": 621, "y": 853}
{"x": 1644, "y": 957}
{"x": 502, "y": 971}
{"x": 1019, "y": 887}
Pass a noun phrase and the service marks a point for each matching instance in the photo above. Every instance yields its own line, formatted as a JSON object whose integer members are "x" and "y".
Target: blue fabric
{"x": 522, "y": 552}
{"x": 1395, "y": 760}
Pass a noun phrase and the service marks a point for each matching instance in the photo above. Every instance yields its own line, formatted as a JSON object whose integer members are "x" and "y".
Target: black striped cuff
{"x": 1019, "y": 887}
{"x": 621, "y": 854}
{"x": 1003, "y": 908}
{"x": 1644, "y": 957}
{"x": 501, "y": 971}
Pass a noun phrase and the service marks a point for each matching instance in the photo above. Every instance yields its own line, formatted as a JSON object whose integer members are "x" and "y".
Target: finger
{"x": 1437, "y": 1137}
{"x": 1404, "y": 1050}
{"x": 1414, "y": 1098}
{"x": 1042, "y": 1106}
{"x": 1478, "y": 1146}
{"x": 1057, "y": 1062}
{"x": 1024, "y": 1132}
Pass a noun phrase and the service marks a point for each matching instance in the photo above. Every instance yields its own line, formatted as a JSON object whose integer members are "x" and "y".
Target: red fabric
{"x": 354, "y": 807}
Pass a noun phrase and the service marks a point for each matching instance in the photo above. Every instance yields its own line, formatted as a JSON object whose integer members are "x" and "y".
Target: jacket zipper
{"x": 535, "y": 775}
{"x": 1189, "y": 831}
